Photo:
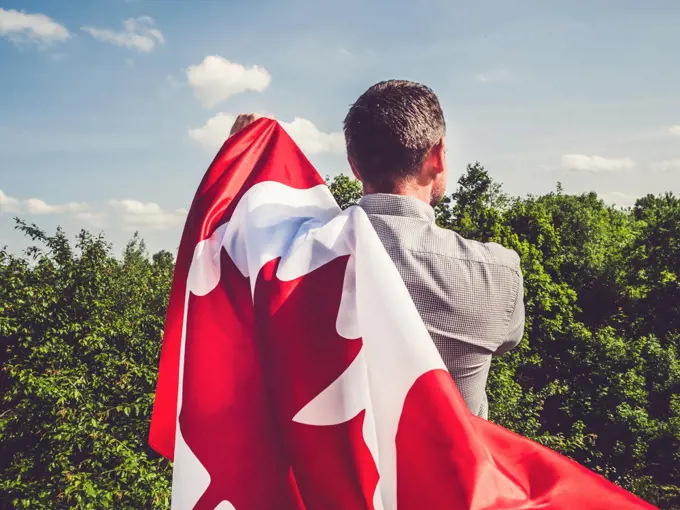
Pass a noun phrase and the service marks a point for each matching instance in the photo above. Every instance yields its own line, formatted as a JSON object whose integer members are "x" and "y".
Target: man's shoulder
{"x": 418, "y": 235}
{"x": 475, "y": 251}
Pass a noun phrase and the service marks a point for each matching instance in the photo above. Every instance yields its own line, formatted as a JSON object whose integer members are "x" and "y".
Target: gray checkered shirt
{"x": 469, "y": 294}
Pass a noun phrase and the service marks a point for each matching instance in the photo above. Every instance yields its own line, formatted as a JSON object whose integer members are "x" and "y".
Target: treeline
{"x": 596, "y": 377}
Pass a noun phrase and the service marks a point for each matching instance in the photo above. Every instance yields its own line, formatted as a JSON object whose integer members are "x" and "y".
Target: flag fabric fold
{"x": 297, "y": 374}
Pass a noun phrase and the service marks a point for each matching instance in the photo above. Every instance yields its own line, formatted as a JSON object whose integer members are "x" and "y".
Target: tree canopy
{"x": 596, "y": 376}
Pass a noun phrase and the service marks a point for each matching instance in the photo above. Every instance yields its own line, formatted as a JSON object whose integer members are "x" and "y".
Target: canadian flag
{"x": 297, "y": 374}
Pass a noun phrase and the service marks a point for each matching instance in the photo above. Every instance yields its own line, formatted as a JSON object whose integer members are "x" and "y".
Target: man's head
{"x": 395, "y": 140}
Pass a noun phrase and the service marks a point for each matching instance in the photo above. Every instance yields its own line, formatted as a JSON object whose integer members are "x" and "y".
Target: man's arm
{"x": 516, "y": 324}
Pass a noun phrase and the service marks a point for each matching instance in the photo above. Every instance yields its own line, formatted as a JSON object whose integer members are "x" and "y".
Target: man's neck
{"x": 407, "y": 189}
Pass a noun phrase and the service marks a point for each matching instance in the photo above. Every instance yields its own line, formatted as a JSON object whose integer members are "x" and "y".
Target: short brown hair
{"x": 390, "y": 129}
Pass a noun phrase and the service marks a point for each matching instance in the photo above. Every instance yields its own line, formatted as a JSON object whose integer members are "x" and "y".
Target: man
{"x": 469, "y": 294}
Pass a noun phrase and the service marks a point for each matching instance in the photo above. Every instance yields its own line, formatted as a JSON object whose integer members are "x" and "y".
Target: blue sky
{"x": 110, "y": 110}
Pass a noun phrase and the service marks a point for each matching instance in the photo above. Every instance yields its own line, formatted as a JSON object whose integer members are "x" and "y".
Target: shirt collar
{"x": 396, "y": 205}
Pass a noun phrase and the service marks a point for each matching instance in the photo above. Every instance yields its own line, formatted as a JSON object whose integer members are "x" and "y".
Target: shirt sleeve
{"x": 516, "y": 324}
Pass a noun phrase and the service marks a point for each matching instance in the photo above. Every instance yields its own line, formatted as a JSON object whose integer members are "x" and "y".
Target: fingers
{"x": 243, "y": 120}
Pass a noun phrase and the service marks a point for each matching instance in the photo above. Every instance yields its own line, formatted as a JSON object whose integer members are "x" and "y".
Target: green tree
{"x": 81, "y": 337}
{"x": 345, "y": 190}
{"x": 474, "y": 209}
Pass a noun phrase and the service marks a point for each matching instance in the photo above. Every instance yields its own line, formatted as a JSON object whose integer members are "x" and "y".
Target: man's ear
{"x": 354, "y": 169}
{"x": 438, "y": 156}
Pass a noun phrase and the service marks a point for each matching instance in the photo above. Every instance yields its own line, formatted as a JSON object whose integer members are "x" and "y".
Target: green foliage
{"x": 81, "y": 336}
{"x": 596, "y": 377}
{"x": 346, "y": 191}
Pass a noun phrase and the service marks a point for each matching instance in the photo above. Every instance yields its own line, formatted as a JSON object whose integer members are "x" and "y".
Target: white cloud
{"x": 305, "y": 134}
{"x": 8, "y": 204}
{"x": 19, "y": 26}
{"x": 96, "y": 219}
{"x": 311, "y": 140}
{"x": 674, "y": 130}
{"x": 214, "y": 132}
{"x": 139, "y": 34}
{"x": 595, "y": 164}
{"x": 140, "y": 215}
{"x": 36, "y": 206}
{"x": 669, "y": 165}
{"x": 618, "y": 198}
{"x": 133, "y": 214}
{"x": 216, "y": 79}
